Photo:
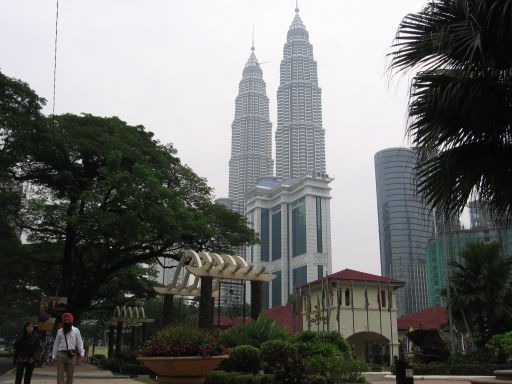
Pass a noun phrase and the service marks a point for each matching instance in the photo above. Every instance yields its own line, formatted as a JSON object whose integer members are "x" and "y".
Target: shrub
{"x": 333, "y": 338}
{"x": 244, "y": 358}
{"x": 458, "y": 369}
{"x": 323, "y": 349}
{"x": 501, "y": 347}
{"x": 349, "y": 369}
{"x": 283, "y": 360}
{"x": 221, "y": 377}
{"x": 254, "y": 333}
{"x": 182, "y": 340}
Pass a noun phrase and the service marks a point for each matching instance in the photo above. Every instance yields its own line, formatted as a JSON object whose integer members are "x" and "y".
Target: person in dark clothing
{"x": 400, "y": 371}
{"x": 26, "y": 353}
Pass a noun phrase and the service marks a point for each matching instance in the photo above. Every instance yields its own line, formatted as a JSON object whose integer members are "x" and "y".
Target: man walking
{"x": 67, "y": 342}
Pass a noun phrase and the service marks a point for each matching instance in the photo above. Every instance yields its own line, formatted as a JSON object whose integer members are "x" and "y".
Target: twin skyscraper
{"x": 290, "y": 210}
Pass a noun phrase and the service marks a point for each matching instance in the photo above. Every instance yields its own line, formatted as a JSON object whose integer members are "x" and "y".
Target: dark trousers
{"x": 28, "y": 368}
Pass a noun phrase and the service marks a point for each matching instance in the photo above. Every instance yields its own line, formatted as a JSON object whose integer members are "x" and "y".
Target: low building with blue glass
{"x": 292, "y": 218}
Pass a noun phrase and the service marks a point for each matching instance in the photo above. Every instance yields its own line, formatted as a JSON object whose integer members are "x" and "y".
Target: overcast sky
{"x": 174, "y": 67}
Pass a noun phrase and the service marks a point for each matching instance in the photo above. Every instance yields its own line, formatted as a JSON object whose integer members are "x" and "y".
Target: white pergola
{"x": 194, "y": 265}
{"x": 200, "y": 274}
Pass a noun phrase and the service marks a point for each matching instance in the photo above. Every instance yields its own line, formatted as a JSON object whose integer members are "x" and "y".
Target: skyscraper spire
{"x": 251, "y": 138}
{"x": 296, "y": 6}
{"x": 252, "y": 45}
{"x": 300, "y": 141}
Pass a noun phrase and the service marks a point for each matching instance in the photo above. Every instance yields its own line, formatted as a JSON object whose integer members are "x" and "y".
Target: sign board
{"x": 50, "y": 309}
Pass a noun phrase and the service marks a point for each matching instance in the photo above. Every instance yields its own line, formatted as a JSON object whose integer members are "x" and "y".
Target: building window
{"x": 320, "y": 269}
{"x": 347, "y": 297}
{"x": 319, "y": 244}
{"x": 276, "y": 235}
{"x": 383, "y": 298}
{"x": 276, "y": 289}
{"x": 265, "y": 293}
{"x": 264, "y": 235}
{"x": 300, "y": 275}
{"x": 299, "y": 227}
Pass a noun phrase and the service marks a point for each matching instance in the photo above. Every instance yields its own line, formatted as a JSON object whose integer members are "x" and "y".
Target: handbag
{"x": 71, "y": 354}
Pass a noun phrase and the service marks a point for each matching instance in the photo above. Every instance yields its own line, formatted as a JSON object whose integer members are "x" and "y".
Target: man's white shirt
{"x": 74, "y": 340}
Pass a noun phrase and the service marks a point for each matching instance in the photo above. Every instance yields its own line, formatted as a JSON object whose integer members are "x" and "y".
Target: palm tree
{"x": 481, "y": 289}
{"x": 460, "y": 105}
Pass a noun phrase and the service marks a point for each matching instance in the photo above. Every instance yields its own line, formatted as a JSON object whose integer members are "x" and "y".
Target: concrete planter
{"x": 182, "y": 370}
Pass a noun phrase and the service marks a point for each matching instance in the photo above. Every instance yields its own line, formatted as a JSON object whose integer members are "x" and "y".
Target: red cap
{"x": 67, "y": 316}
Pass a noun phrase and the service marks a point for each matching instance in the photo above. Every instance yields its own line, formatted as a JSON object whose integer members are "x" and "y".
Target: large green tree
{"x": 481, "y": 289}
{"x": 102, "y": 201}
{"x": 460, "y": 105}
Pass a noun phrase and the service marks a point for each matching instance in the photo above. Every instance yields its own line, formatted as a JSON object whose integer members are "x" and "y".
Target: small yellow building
{"x": 361, "y": 306}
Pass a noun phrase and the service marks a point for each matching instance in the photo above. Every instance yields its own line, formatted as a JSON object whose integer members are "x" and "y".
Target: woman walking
{"x": 26, "y": 353}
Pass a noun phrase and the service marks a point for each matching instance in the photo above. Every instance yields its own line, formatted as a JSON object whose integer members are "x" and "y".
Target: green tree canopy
{"x": 101, "y": 197}
{"x": 481, "y": 288}
{"x": 460, "y": 105}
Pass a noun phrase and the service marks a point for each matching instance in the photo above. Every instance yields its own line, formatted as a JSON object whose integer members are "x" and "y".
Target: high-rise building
{"x": 300, "y": 141}
{"x": 292, "y": 218}
{"x": 251, "y": 138}
{"x": 291, "y": 212}
{"x": 452, "y": 239}
{"x": 405, "y": 226}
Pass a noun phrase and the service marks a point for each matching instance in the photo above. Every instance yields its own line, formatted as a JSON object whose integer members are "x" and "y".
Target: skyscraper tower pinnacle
{"x": 251, "y": 137}
{"x": 300, "y": 138}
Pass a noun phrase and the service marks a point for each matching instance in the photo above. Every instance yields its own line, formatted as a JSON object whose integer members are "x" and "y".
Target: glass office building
{"x": 405, "y": 226}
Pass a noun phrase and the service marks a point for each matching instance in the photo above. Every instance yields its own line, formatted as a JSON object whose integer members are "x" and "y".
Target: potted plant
{"x": 182, "y": 354}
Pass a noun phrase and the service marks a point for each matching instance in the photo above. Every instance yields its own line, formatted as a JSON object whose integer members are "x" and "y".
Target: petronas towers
{"x": 299, "y": 138}
{"x": 291, "y": 210}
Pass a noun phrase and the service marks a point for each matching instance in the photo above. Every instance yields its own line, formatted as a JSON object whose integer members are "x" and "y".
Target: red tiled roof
{"x": 284, "y": 316}
{"x": 350, "y": 274}
{"x": 430, "y": 318}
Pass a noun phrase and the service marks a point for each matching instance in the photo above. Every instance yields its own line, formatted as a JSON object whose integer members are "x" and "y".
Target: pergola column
{"x": 256, "y": 298}
{"x": 206, "y": 303}
{"x": 168, "y": 309}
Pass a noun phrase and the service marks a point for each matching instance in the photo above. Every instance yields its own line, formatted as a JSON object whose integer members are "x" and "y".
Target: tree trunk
{"x": 67, "y": 259}
{"x": 119, "y": 337}
{"x": 206, "y": 304}
{"x": 111, "y": 330}
{"x": 168, "y": 303}
{"x": 256, "y": 298}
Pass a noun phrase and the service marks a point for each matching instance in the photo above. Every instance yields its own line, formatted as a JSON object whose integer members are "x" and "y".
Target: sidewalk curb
{"x": 443, "y": 377}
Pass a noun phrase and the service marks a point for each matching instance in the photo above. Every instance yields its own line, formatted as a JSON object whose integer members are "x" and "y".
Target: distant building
{"x": 405, "y": 226}
{"x": 251, "y": 135}
{"x": 447, "y": 245}
{"x": 293, "y": 220}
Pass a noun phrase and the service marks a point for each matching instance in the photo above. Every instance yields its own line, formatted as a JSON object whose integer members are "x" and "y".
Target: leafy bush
{"x": 182, "y": 340}
{"x": 333, "y": 338}
{"x": 254, "y": 333}
{"x": 283, "y": 360}
{"x": 244, "y": 358}
{"x": 501, "y": 347}
{"x": 349, "y": 369}
{"x": 458, "y": 369}
{"x": 221, "y": 377}
{"x": 322, "y": 349}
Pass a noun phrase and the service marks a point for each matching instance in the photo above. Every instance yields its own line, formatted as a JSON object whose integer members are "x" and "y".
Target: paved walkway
{"x": 84, "y": 374}
{"x": 90, "y": 374}
{"x": 387, "y": 378}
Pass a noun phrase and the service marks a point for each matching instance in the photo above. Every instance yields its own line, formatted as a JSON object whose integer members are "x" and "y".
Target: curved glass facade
{"x": 405, "y": 226}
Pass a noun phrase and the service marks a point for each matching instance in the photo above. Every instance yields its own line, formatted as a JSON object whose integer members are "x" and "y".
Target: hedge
{"x": 485, "y": 369}
{"x": 222, "y": 377}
